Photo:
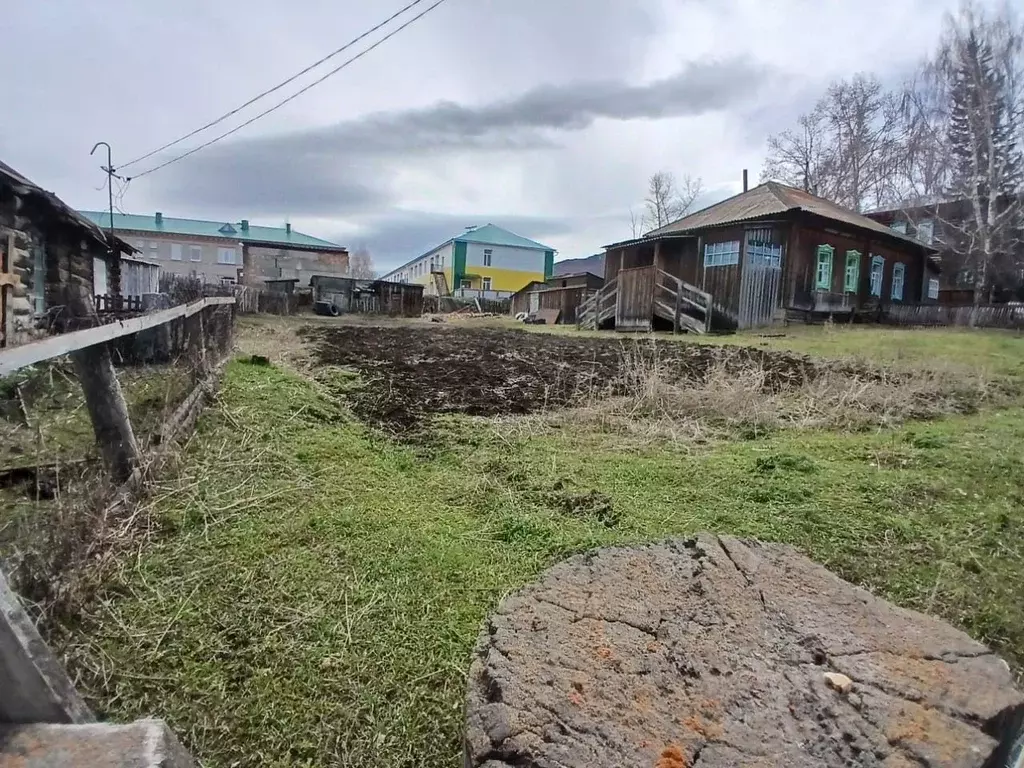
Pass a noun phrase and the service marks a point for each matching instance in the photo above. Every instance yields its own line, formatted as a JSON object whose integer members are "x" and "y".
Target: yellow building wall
{"x": 501, "y": 279}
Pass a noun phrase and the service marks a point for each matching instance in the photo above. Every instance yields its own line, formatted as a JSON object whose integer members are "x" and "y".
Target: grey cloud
{"x": 346, "y": 166}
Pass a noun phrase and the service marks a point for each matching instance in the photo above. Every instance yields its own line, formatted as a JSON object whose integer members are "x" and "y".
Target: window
{"x": 196, "y": 253}
{"x": 175, "y": 251}
{"x": 898, "y": 270}
{"x": 721, "y": 254}
{"x": 899, "y": 226}
{"x": 823, "y": 281}
{"x": 933, "y": 288}
{"x": 488, "y": 254}
{"x": 852, "y": 276}
{"x": 764, "y": 254}
{"x": 154, "y": 245}
{"x": 225, "y": 255}
{"x": 926, "y": 231}
{"x": 487, "y": 283}
{"x": 877, "y": 271}
{"x": 466, "y": 284}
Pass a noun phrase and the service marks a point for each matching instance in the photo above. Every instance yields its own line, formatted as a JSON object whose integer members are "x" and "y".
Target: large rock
{"x": 722, "y": 652}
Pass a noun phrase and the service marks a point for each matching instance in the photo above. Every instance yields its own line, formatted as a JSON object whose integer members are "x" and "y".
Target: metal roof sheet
{"x": 773, "y": 198}
{"x": 220, "y": 229}
{"x": 61, "y": 208}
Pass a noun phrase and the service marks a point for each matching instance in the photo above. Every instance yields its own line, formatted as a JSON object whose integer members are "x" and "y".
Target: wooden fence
{"x": 984, "y": 316}
{"x": 118, "y": 304}
{"x": 200, "y": 332}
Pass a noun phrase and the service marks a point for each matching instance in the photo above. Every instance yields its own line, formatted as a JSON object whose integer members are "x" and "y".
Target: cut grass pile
{"x": 314, "y": 589}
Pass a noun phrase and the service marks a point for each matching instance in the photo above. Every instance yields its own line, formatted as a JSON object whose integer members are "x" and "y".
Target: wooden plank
{"x": 15, "y": 358}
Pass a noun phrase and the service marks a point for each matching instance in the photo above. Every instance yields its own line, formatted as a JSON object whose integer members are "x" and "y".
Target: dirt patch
{"x": 718, "y": 652}
{"x": 409, "y": 373}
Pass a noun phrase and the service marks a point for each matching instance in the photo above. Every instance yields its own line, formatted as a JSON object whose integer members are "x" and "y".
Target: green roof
{"x": 200, "y": 228}
{"x": 491, "y": 234}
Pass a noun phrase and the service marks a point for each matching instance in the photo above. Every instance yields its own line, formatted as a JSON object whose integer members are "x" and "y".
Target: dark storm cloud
{"x": 346, "y": 166}
{"x": 397, "y": 237}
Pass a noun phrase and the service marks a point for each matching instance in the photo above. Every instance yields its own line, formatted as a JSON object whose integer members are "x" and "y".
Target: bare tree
{"x": 636, "y": 223}
{"x": 667, "y": 200}
{"x": 796, "y": 157}
{"x": 843, "y": 149}
{"x": 360, "y": 264}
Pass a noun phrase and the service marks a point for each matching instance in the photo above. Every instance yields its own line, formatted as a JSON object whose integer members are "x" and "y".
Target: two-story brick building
{"x": 222, "y": 251}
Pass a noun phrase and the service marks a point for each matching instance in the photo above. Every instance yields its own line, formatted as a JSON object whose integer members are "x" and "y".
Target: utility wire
{"x": 298, "y": 93}
{"x": 277, "y": 87}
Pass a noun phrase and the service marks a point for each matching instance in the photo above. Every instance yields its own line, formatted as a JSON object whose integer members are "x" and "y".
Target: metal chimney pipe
{"x": 745, "y": 180}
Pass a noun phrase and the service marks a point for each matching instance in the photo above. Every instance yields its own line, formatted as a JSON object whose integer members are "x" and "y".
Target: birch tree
{"x": 981, "y": 60}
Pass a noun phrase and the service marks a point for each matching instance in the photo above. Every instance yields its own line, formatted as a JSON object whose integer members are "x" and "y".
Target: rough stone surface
{"x": 142, "y": 744}
{"x": 713, "y": 652}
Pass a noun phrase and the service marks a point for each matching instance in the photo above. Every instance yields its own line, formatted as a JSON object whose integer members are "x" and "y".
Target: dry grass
{"x": 648, "y": 400}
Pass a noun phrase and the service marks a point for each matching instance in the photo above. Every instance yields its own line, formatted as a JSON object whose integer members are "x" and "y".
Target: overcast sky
{"x": 543, "y": 116}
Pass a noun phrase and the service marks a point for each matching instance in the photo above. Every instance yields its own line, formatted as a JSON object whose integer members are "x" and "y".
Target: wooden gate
{"x": 634, "y": 307}
{"x": 761, "y": 279}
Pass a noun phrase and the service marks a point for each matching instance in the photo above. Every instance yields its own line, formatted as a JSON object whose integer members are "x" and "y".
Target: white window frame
{"x": 725, "y": 254}
{"x": 486, "y": 283}
{"x": 488, "y": 256}
{"x": 195, "y": 253}
{"x": 899, "y": 272}
{"x": 876, "y": 285}
{"x": 176, "y": 252}
{"x": 224, "y": 253}
{"x": 933, "y": 287}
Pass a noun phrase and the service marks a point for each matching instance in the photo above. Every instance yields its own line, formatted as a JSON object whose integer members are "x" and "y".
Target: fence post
{"x": 104, "y": 400}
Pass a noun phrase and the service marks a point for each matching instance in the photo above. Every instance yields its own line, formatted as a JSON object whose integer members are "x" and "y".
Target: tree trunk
{"x": 107, "y": 409}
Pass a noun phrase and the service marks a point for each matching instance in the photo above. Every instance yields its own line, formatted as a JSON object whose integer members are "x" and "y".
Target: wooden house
{"x": 755, "y": 259}
{"x": 53, "y": 262}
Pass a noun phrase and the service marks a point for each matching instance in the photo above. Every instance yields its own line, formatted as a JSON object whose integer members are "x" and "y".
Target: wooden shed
{"x": 53, "y": 262}
{"x": 757, "y": 258}
{"x": 561, "y": 293}
{"x": 341, "y": 295}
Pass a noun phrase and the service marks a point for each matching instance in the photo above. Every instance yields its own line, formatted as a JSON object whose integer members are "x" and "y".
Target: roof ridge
{"x": 779, "y": 190}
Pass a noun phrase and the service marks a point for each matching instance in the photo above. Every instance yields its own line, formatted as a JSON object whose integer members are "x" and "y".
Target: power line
{"x": 277, "y": 87}
{"x": 298, "y": 93}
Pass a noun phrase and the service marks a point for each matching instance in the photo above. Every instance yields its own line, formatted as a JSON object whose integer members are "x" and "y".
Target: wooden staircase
{"x": 443, "y": 294}
{"x": 687, "y": 307}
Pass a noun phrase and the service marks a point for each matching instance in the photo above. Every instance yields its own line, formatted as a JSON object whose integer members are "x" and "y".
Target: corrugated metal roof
{"x": 491, "y": 234}
{"x": 62, "y": 208}
{"x": 202, "y": 228}
{"x": 772, "y": 198}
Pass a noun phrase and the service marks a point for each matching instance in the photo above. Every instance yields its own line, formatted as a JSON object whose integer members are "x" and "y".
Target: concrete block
{"x": 142, "y": 744}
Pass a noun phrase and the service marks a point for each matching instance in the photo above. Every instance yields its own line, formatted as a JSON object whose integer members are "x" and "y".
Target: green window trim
{"x": 823, "y": 281}
{"x": 852, "y": 276}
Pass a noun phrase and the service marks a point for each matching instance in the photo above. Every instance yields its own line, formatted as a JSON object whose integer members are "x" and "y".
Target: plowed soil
{"x": 409, "y": 373}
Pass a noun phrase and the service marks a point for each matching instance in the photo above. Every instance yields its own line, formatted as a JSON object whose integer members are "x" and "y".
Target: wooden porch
{"x": 635, "y": 296}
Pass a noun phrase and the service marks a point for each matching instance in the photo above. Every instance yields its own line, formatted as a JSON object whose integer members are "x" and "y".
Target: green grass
{"x": 316, "y": 589}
